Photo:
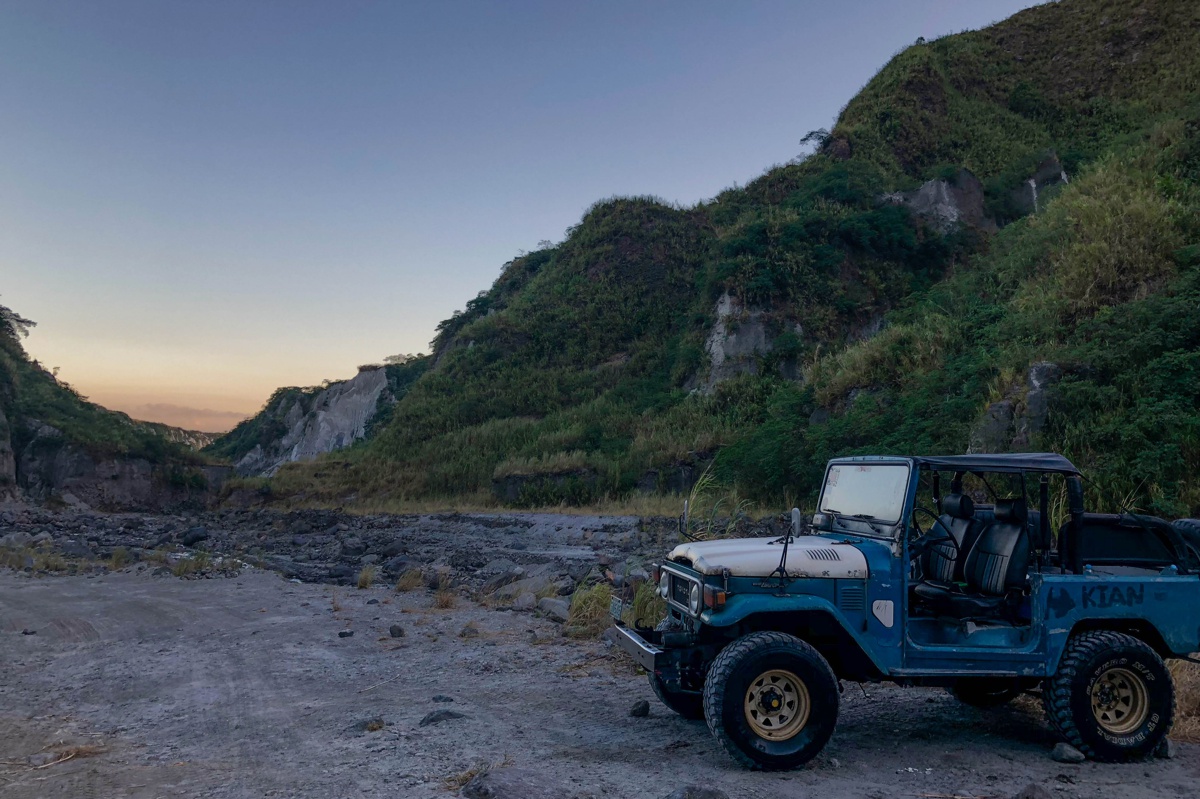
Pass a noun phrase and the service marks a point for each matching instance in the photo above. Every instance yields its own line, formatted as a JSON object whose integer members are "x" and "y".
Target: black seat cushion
{"x": 999, "y": 561}
{"x": 944, "y": 560}
{"x": 996, "y": 565}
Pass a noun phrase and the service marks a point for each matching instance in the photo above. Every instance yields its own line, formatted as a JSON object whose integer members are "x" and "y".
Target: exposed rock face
{"x": 1031, "y": 195}
{"x": 8, "y": 464}
{"x": 338, "y": 417}
{"x": 1013, "y": 423}
{"x": 945, "y": 205}
{"x": 51, "y": 468}
{"x": 737, "y": 340}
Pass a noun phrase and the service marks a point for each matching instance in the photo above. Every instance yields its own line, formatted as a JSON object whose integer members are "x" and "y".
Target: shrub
{"x": 409, "y": 581}
{"x": 589, "y": 611}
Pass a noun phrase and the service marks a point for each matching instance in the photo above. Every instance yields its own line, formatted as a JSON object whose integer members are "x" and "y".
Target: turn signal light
{"x": 655, "y": 573}
{"x": 714, "y": 597}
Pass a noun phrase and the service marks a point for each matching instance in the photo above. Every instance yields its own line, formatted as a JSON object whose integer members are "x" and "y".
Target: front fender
{"x": 740, "y": 607}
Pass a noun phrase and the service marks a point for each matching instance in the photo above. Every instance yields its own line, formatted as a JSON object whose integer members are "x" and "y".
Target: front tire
{"x": 688, "y": 705}
{"x": 771, "y": 701}
{"x": 1112, "y": 697}
{"x": 985, "y": 692}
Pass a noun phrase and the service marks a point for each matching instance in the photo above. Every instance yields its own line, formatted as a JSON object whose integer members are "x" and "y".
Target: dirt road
{"x": 242, "y": 687}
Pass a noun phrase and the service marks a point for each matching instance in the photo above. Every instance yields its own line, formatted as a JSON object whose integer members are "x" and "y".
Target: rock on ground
{"x": 513, "y": 783}
{"x": 1065, "y": 753}
{"x": 557, "y": 609}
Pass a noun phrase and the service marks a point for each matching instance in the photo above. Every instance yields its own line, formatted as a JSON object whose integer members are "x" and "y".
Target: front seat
{"x": 998, "y": 564}
{"x": 946, "y": 558}
{"x": 996, "y": 567}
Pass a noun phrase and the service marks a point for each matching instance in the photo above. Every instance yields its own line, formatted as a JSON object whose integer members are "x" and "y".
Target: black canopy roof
{"x": 1014, "y": 462}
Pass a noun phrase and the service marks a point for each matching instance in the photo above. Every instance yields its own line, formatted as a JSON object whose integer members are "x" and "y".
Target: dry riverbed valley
{"x": 232, "y": 654}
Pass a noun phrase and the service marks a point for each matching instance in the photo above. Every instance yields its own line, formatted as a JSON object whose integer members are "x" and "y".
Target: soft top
{"x": 1013, "y": 462}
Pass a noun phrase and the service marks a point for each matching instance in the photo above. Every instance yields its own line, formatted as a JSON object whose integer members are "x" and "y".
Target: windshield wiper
{"x": 869, "y": 519}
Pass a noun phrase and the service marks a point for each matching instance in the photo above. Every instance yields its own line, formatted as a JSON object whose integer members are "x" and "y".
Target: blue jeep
{"x": 978, "y": 573}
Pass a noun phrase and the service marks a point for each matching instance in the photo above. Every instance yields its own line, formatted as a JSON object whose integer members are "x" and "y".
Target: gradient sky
{"x": 203, "y": 201}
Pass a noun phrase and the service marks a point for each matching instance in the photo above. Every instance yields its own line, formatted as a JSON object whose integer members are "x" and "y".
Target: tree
{"x": 13, "y": 324}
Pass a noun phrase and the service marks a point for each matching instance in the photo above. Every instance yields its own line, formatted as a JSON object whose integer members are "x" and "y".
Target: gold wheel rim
{"x": 1119, "y": 701}
{"x": 777, "y": 705}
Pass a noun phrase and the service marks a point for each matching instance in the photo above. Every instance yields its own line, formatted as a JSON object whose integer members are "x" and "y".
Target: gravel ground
{"x": 242, "y": 687}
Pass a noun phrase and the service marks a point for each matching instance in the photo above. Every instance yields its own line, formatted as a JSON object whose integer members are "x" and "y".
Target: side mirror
{"x": 797, "y": 522}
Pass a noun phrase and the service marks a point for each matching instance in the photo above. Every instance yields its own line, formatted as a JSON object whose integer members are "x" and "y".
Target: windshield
{"x": 874, "y": 490}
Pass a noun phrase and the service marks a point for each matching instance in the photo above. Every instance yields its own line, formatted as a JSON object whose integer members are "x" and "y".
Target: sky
{"x": 203, "y": 201}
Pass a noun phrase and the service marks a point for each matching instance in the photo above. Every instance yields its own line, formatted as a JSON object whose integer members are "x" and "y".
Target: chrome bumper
{"x": 645, "y": 653}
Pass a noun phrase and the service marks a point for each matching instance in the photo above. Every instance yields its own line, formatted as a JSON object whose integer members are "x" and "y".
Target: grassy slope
{"x": 576, "y": 361}
{"x": 28, "y": 392}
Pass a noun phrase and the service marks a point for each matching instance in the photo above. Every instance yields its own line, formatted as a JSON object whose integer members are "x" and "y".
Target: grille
{"x": 851, "y": 598}
{"x": 680, "y": 589}
{"x": 823, "y": 554}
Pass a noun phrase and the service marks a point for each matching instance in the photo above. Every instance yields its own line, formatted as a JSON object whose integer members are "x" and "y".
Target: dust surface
{"x": 241, "y": 687}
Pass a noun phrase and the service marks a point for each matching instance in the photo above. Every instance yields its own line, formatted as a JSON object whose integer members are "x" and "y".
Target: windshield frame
{"x": 890, "y": 526}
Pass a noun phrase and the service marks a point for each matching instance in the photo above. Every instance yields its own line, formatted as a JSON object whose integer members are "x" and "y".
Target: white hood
{"x": 807, "y": 556}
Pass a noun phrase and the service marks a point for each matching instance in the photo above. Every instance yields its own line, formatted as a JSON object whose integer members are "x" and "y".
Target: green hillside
{"x": 573, "y": 378}
{"x": 30, "y": 396}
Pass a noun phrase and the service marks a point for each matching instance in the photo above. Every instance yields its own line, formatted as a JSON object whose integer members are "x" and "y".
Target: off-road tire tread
{"x": 718, "y": 675}
{"x": 1056, "y": 692}
{"x": 692, "y": 708}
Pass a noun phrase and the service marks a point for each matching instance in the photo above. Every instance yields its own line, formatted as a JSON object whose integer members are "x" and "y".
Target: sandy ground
{"x": 241, "y": 687}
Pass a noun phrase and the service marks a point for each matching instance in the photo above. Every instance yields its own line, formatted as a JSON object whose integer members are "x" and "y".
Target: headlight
{"x": 694, "y": 599}
{"x": 664, "y": 585}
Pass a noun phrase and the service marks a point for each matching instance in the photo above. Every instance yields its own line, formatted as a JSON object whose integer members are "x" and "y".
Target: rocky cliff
{"x": 300, "y": 424}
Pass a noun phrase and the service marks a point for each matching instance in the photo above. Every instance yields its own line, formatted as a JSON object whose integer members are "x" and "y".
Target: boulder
{"x": 557, "y": 609}
{"x": 438, "y": 716}
{"x": 195, "y": 536}
{"x": 1065, "y": 753}
{"x": 501, "y": 579}
{"x": 529, "y": 585}
{"x": 18, "y": 540}
{"x": 514, "y": 783}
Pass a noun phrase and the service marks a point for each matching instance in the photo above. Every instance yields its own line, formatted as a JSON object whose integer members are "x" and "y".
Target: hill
{"x": 56, "y": 446}
{"x": 995, "y": 247}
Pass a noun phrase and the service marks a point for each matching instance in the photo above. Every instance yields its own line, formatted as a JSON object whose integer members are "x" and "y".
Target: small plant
{"x": 445, "y": 599}
{"x": 409, "y": 581}
{"x": 49, "y": 562}
{"x": 333, "y": 603}
{"x": 647, "y": 607}
{"x": 589, "y": 611}
{"x": 366, "y": 577}
{"x": 456, "y": 781}
{"x": 119, "y": 559}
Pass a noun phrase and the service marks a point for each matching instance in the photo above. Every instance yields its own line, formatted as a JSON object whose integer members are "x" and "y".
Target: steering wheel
{"x": 922, "y": 537}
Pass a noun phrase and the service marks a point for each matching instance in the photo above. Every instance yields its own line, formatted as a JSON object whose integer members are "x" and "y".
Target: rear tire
{"x": 688, "y": 705}
{"x": 985, "y": 692}
{"x": 771, "y": 701}
{"x": 1112, "y": 697}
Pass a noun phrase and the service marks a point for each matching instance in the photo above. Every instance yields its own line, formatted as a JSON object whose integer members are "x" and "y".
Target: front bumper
{"x": 647, "y": 655}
